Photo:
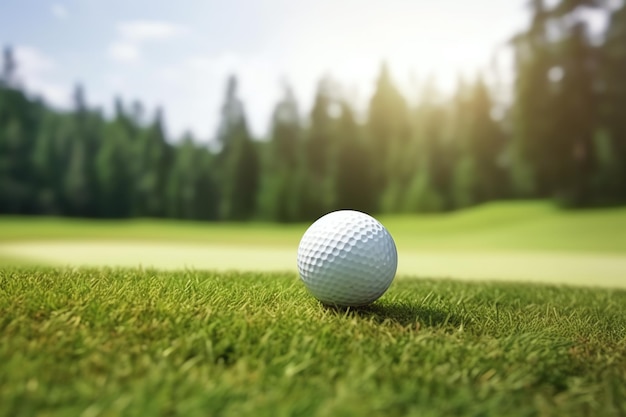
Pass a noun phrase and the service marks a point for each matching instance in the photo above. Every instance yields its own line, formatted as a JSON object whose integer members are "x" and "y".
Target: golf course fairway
{"x": 530, "y": 241}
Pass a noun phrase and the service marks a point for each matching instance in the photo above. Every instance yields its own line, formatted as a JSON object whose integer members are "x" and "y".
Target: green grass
{"x": 17, "y": 228}
{"x": 536, "y": 226}
{"x": 107, "y": 342}
{"x": 519, "y": 241}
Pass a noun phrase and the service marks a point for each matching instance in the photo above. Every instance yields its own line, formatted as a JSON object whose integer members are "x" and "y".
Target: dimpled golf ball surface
{"x": 347, "y": 258}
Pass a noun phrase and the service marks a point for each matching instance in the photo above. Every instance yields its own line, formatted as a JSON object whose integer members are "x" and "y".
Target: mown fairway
{"x": 530, "y": 241}
{"x": 106, "y": 342}
{"x": 103, "y": 341}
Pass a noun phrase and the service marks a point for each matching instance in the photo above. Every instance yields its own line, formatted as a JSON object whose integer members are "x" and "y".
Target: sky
{"x": 178, "y": 54}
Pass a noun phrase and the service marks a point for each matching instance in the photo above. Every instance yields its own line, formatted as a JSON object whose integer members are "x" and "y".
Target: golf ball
{"x": 347, "y": 258}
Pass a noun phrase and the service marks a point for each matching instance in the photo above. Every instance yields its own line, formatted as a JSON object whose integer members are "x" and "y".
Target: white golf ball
{"x": 347, "y": 258}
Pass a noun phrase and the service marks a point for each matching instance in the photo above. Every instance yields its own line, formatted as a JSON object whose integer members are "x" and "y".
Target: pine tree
{"x": 315, "y": 174}
{"x": 152, "y": 162}
{"x": 575, "y": 109}
{"x": 181, "y": 187}
{"x": 481, "y": 147}
{"x": 19, "y": 120}
{"x": 48, "y": 169}
{"x": 191, "y": 191}
{"x": 430, "y": 186}
{"x": 75, "y": 184}
{"x": 354, "y": 177}
{"x": 206, "y": 200}
{"x": 9, "y": 69}
{"x": 113, "y": 168}
{"x": 464, "y": 176}
{"x": 613, "y": 109}
{"x": 534, "y": 130}
{"x": 280, "y": 196}
{"x": 238, "y": 159}
{"x": 80, "y": 184}
{"x": 389, "y": 133}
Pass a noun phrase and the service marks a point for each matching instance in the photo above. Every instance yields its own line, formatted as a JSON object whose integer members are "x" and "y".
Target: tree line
{"x": 562, "y": 136}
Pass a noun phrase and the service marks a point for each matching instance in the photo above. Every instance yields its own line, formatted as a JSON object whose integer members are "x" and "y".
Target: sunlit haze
{"x": 178, "y": 54}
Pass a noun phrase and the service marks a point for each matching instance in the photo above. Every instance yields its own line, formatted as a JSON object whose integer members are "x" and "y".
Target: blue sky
{"x": 178, "y": 54}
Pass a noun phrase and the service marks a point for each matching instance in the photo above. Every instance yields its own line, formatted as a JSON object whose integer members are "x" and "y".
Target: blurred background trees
{"x": 562, "y": 135}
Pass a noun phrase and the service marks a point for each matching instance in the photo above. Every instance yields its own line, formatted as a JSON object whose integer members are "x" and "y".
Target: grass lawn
{"x": 108, "y": 342}
{"x": 528, "y": 226}
{"x": 523, "y": 241}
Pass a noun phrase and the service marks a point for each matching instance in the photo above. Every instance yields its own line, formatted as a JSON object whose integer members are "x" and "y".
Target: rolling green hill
{"x": 524, "y": 241}
{"x": 510, "y": 225}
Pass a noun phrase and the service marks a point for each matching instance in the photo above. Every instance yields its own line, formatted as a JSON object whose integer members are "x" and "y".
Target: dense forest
{"x": 562, "y": 136}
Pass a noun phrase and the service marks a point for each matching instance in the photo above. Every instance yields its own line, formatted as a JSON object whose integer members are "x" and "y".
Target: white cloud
{"x": 32, "y": 61}
{"x": 116, "y": 81}
{"x": 123, "y": 51}
{"x": 200, "y": 63}
{"x": 219, "y": 65}
{"x": 59, "y": 11}
{"x": 35, "y": 70}
{"x": 148, "y": 30}
{"x": 133, "y": 34}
